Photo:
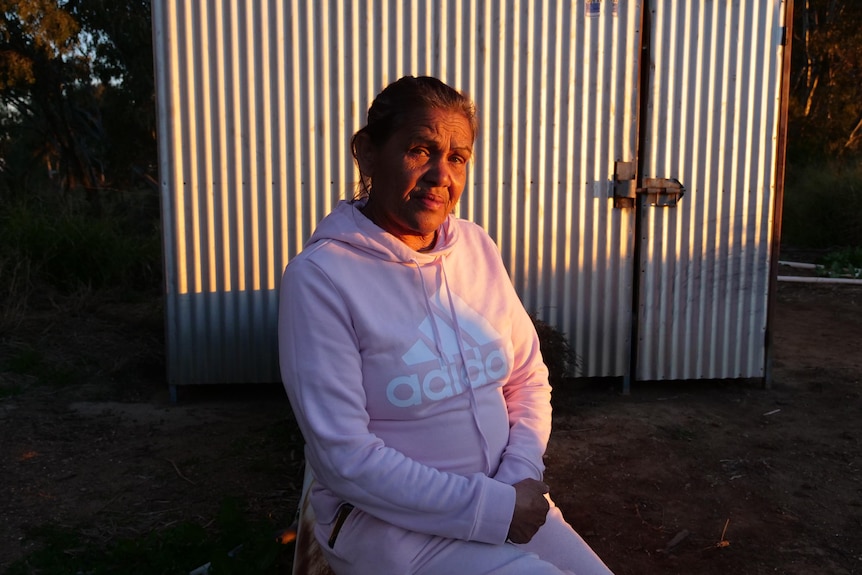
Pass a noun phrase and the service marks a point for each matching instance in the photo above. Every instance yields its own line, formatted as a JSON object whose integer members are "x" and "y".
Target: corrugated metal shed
{"x": 258, "y": 100}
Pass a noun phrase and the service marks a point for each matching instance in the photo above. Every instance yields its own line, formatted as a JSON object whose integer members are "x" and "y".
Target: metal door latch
{"x": 659, "y": 192}
{"x": 662, "y": 192}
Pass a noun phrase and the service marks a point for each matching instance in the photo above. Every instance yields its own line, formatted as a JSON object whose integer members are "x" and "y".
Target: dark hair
{"x": 402, "y": 99}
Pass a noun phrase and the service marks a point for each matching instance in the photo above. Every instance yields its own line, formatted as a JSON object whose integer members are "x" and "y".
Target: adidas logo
{"x": 434, "y": 378}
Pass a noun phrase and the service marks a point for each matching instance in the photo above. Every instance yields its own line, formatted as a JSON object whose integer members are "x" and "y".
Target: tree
{"x": 826, "y": 110}
{"x": 33, "y": 33}
{"x": 38, "y": 69}
{"x": 76, "y": 91}
{"x": 123, "y": 62}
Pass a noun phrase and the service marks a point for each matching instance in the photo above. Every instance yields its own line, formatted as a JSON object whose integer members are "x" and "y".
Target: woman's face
{"x": 418, "y": 174}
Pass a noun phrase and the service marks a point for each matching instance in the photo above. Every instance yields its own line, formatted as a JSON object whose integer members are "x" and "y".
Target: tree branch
{"x": 810, "y": 100}
{"x": 855, "y": 135}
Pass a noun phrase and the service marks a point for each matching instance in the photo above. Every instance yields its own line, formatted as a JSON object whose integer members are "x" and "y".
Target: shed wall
{"x": 257, "y": 103}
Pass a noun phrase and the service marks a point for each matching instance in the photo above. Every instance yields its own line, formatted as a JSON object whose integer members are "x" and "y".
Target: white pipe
{"x": 800, "y": 265}
{"x": 799, "y": 279}
{"x": 805, "y": 266}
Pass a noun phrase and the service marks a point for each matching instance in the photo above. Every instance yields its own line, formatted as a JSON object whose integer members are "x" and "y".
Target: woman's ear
{"x": 366, "y": 153}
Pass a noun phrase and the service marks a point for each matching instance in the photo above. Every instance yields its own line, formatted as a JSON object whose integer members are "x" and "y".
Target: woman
{"x": 413, "y": 369}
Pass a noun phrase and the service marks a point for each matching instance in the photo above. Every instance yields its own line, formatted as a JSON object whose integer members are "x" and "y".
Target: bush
{"x": 70, "y": 248}
{"x": 560, "y": 358}
{"x": 846, "y": 262}
{"x": 821, "y": 202}
{"x": 50, "y": 249}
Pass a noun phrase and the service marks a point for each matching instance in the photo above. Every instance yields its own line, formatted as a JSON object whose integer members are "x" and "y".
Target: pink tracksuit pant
{"x": 368, "y": 546}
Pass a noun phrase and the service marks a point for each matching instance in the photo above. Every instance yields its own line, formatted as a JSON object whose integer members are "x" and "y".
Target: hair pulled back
{"x": 400, "y": 101}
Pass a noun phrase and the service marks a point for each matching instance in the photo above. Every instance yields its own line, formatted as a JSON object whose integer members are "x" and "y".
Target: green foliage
{"x": 51, "y": 252}
{"x": 237, "y": 545}
{"x": 70, "y": 247}
{"x": 559, "y": 357}
{"x": 821, "y": 204}
{"x": 846, "y": 262}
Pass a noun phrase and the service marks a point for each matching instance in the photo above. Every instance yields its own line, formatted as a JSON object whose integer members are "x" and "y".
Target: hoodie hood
{"x": 348, "y": 225}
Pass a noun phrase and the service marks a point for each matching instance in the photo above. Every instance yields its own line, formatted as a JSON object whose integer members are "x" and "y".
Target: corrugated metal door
{"x": 711, "y": 121}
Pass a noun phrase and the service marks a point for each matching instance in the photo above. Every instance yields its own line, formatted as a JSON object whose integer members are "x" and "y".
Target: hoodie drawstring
{"x": 438, "y": 341}
{"x": 474, "y": 411}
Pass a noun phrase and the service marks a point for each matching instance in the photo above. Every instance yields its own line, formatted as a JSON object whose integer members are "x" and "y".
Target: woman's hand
{"x": 531, "y": 509}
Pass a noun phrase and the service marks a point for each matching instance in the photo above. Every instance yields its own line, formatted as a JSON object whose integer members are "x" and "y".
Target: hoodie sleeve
{"x": 321, "y": 371}
{"x": 528, "y": 400}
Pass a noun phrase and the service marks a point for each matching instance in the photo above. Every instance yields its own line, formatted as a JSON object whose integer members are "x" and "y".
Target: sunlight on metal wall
{"x": 711, "y": 122}
{"x": 257, "y": 103}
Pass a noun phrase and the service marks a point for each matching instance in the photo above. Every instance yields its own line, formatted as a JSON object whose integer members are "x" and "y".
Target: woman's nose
{"x": 439, "y": 172}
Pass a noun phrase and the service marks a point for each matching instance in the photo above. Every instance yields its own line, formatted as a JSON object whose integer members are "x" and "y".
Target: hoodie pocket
{"x": 344, "y": 512}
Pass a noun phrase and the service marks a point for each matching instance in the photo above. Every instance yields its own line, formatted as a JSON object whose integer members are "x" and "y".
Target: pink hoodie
{"x": 374, "y": 339}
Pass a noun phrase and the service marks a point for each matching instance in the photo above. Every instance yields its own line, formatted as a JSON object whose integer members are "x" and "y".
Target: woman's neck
{"x": 417, "y": 242}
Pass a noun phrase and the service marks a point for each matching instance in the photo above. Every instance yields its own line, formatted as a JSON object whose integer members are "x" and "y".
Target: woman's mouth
{"x": 430, "y": 201}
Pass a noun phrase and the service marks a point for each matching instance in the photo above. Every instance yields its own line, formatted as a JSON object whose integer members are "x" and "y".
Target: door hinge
{"x": 625, "y": 187}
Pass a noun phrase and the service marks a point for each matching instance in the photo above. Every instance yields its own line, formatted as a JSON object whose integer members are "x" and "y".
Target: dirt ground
{"x": 693, "y": 478}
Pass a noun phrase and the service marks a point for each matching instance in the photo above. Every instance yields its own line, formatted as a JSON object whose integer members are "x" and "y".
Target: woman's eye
{"x": 420, "y": 152}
